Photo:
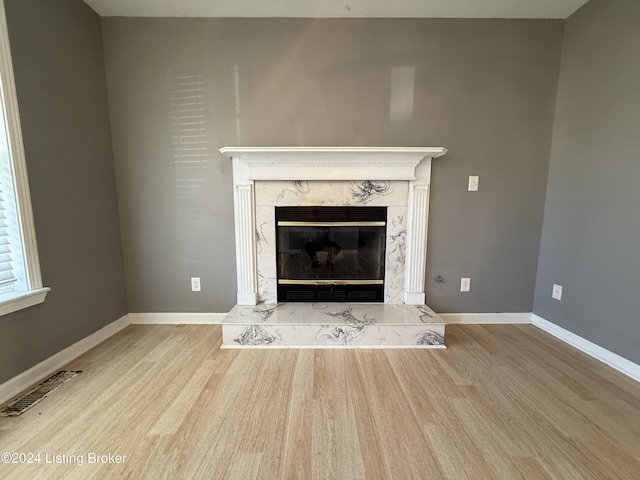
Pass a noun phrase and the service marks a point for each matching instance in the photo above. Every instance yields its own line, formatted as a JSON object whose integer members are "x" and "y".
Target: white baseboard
{"x": 605, "y": 356}
{"x": 28, "y": 378}
{"x": 176, "y": 318}
{"x": 486, "y": 318}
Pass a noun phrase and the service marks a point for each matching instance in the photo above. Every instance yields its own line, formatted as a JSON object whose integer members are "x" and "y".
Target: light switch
{"x": 473, "y": 183}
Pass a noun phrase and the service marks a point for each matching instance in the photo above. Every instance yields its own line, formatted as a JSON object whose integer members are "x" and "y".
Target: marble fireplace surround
{"x": 395, "y": 177}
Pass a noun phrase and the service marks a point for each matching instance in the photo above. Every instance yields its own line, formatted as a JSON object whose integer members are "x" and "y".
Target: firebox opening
{"x": 330, "y": 254}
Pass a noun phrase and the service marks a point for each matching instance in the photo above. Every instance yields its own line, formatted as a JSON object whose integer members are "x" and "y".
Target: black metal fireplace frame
{"x": 327, "y": 290}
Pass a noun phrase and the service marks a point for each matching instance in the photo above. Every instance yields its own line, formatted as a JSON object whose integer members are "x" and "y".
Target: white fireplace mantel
{"x": 329, "y": 163}
{"x": 263, "y": 164}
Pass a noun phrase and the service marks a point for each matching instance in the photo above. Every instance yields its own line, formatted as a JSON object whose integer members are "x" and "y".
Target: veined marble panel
{"x": 311, "y": 336}
{"x": 395, "y": 254}
{"x": 331, "y": 312}
{"x": 266, "y": 254}
{"x": 336, "y": 193}
{"x": 333, "y": 325}
{"x": 393, "y": 195}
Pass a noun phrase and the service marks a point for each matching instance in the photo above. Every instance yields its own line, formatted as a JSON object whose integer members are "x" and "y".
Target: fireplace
{"x": 330, "y": 254}
{"x": 393, "y": 179}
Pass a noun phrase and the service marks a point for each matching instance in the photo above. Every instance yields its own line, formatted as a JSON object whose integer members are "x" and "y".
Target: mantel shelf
{"x": 331, "y": 163}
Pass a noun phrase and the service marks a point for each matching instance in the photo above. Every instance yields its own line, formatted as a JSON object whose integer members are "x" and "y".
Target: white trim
{"x": 246, "y": 298}
{"x": 508, "y": 318}
{"x": 416, "y": 244}
{"x": 331, "y": 163}
{"x": 245, "y": 234}
{"x": 607, "y": 357}
{"x": 176, "y": 318}
{"x": 30, "y": 291}
{"x": 28, "y": 378}
{"x": 16, "y": 146}
{"x": 413, "y": 298}
{"x": 621, "y": 364}
{"x": 17, "y": 301}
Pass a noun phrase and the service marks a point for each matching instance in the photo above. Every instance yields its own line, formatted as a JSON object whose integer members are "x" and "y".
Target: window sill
{"x": 13, "y": 302}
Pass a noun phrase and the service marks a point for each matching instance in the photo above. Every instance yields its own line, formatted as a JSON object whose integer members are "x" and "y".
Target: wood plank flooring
{"x": 502, "y": 402}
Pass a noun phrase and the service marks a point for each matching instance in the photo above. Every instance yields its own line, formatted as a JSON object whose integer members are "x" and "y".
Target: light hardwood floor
{"x": 503, "y": 402}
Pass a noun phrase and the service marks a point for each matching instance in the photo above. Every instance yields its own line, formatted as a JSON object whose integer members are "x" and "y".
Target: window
{"x": 20, "y": 281}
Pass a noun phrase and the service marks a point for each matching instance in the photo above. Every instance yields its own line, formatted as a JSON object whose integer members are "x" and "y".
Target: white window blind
{"x": 10, "y": 247}
{"x": 7, "y": 277}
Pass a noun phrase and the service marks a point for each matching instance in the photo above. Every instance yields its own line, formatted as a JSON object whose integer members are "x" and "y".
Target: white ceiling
{"x": 338, "y": 8}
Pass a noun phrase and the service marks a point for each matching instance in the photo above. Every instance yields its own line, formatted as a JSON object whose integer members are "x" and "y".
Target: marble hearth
{"x": 316, "y": 325}
{"x": 396, "y": 178}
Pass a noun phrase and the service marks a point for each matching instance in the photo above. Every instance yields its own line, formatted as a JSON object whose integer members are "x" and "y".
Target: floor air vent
{"x": 32, "y": 397}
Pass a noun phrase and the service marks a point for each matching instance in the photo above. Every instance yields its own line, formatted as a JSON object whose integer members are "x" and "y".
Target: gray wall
{"x": 485, "y": 89}
{"x": 591, "y": 236}
{"x": 59, "y": 69}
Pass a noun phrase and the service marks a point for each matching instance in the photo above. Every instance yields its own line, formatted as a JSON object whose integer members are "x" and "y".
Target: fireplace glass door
{"x": 331, "y": 253}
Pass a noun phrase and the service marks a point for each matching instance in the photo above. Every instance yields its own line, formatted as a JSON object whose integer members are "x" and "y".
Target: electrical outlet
{"x": 465, "y": 284}
{"x": 473, "y": 183}
{"x": 195, "y": 284}
{"x": 556, "y": 292}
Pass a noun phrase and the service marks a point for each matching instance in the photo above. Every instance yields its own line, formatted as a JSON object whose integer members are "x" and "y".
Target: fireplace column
{"x": 245, "y": 245}
{"x": 416, "y": 264}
